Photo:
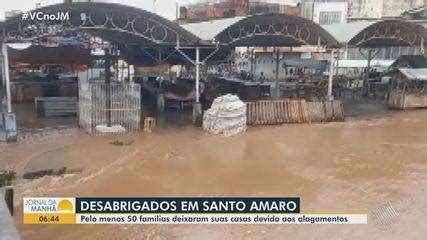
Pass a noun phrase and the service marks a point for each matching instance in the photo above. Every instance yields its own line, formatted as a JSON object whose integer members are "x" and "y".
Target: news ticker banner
{"x": 203, "y": 210}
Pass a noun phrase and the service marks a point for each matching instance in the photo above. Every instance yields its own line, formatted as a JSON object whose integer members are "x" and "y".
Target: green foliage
{"x": 6, "y": 178}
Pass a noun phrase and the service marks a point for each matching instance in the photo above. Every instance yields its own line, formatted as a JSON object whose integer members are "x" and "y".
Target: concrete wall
{"x": 381, "y": 8}
{"x": 217, "y": 9}
{"x": 392, "y": 8}
{"x": 365, "y": 9}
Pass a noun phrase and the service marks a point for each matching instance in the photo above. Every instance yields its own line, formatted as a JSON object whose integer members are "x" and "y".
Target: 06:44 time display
{"x": 47, "y": 219}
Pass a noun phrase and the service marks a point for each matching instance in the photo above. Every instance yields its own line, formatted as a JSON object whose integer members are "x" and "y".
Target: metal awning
{"x": 38, "y": 55}
{"x": 305, "y": 63}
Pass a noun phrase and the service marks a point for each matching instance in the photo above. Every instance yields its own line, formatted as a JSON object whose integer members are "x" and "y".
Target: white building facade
{"x": 325, "y": 13}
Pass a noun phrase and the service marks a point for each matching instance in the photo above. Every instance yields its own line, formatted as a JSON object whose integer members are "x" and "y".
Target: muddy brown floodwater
{"x": 349, "y": 167}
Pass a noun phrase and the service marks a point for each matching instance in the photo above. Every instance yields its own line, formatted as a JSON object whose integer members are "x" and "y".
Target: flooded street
{"x": 348, "y": 167}
{"x": 313, "y": 108}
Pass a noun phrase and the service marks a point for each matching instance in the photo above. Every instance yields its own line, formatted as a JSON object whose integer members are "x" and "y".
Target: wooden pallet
{"x": 334, "y": 111}
{"x": 317, "y": 111}
{"x": 293, "y": 111}
{"x": 277, "y": 112}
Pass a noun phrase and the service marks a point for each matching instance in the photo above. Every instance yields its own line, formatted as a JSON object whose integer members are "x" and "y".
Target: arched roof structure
{"x": 391, "y": 33}
{"x": 144, "y": 38}
{"x": 141, "y": 35}
{"x": 114, "y": 22}
{"x": 275, "y": 30}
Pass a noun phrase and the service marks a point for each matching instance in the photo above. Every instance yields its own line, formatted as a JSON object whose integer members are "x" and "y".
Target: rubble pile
{"x": 227, "y": 116}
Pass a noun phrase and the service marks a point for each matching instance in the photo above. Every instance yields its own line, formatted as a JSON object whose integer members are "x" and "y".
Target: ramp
{"x": 7, "y": 228}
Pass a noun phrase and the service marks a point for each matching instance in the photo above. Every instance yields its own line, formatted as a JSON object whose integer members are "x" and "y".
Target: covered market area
{"x": 401, "y": 92}
{"x": 101, "y": 44}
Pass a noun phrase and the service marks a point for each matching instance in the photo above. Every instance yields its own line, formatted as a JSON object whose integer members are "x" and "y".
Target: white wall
{"x": 330, "y": 7}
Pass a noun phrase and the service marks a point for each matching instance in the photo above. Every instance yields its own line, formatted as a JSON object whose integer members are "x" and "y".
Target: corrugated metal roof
{"x": 410, "y": 61}
{"x": 414, "y": 74}
{"x": 344, "y": 32}
{"x": 208, "y": 30}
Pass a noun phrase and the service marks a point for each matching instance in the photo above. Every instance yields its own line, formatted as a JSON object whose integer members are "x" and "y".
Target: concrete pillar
{"x": 9, "y": 119}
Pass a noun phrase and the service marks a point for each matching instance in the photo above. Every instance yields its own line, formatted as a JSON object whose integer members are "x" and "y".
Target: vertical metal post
{"x": 255, "y": 60}
{"x": 277, "y": 90}
{"x": 337, "y": 67}
{"x": 252, "y": 64}
{"x": 197, "y": 106}
{"x": 129, "y": 80}
{"x": 197, "y": 74}
{"x": 3, "y": 79}
{"x": 107, "y": 85}
{"x": 368, "y": 70}
{"x": 7, "y": 77}
{"x": 330, "y": 95}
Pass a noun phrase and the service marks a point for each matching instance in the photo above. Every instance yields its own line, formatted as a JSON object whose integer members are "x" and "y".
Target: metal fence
{"x": 109, "y": 105}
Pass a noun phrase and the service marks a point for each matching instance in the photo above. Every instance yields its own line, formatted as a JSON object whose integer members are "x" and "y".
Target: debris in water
{"x": 111, "y": 129}
{"x": 149, "y": 124}
{"x": 50, "y": 172}
{"x": 227, "y": 115}
{"x": 122, "y": 143}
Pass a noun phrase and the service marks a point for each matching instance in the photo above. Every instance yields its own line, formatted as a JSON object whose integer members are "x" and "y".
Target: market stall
{"x": 408, "y": 89}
